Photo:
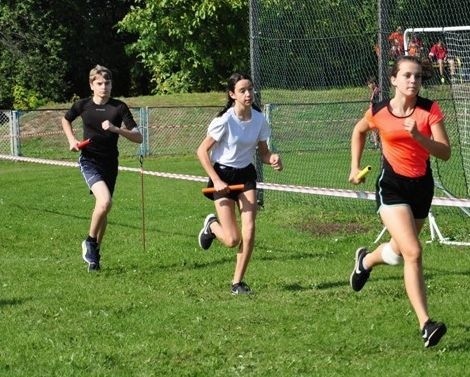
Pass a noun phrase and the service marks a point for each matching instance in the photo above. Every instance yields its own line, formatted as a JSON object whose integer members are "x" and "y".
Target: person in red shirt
{"x": 438, "y": 53}
{"x": 396, "y": 43}
{"x": 411, "y": 130}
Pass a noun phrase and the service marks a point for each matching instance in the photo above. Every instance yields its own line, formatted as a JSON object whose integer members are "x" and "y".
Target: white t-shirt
{"x": 236, "y": 140}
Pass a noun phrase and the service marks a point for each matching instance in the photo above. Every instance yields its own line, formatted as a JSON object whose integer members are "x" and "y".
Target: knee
{"x": 232, "y": 240}
{"x": 104, "y": 206}
{"x": 412, "y": 255}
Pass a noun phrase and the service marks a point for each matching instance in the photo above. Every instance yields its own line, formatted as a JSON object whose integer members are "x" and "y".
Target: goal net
{"x": 458, "y": 42}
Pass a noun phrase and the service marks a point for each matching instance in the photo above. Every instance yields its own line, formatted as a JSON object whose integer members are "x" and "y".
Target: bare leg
{"x": 103, "y": 204}
{"x": 226, "y": 229}
{"x": 248, "y": 209}
{"x": 441, "y": 67}
{"x": 404, "y": 231}
{"x": 451, "y": 66}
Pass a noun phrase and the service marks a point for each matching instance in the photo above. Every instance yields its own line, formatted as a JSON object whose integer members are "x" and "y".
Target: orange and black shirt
{"x": 405, "y": 155}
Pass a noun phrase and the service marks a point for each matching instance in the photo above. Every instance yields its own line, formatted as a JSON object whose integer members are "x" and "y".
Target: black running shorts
{"x": 417, "y": 193}
{"x": 94, "y": 171}
{"x": 233, "y": 176}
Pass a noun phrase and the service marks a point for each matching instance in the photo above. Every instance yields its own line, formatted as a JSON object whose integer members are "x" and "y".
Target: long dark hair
{"x": 232, "y": 81}
{"x": 426, "y": 66}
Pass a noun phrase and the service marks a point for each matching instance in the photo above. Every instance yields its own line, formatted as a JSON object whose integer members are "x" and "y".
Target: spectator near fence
{"x": 396, "y": 43}
{"x": 439, "y": 54}
{"x": 415, "y": 47}
{"x": 375, "y": 92}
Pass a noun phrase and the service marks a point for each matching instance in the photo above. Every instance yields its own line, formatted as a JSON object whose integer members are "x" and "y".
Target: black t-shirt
{"x": 104, "y": 143}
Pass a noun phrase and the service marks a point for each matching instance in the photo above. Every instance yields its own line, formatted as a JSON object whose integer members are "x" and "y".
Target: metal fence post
{"x": 15, "y": 142}
{"x": 144, "y": 129}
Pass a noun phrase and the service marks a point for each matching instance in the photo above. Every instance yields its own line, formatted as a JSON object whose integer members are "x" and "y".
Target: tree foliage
{"x": 31, "y": 62}
{"x": 48, "y": 47}
{"x": 189, "y": 45}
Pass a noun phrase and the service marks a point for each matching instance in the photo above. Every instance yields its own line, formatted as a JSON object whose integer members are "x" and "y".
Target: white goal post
{"x": 411, "y": 31}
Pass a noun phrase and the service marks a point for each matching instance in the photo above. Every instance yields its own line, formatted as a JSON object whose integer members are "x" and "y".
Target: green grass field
{"x": 168, "y": 311}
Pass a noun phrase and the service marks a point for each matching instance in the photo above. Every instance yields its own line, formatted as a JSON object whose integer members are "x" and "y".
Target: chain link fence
{"x": 314, "y": 148}
{"x": 168, "y": 131}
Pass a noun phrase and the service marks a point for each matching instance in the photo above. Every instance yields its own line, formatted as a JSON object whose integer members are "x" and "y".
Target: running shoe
{"x": 432, "y": 332}
{"x": 91, "y": 255}
{"x": 205, "y": 235}
{"x": 360, "y": 275}
{"x": 240, "y": 288}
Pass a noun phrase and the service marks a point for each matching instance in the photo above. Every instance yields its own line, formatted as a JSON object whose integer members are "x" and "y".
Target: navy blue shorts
{"x": 233, "y": 176}
{"x": 417, "y": 193}
{"x": 94, "y": 171}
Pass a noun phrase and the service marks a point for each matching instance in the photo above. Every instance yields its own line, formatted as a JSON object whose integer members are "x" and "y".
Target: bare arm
{"x": 358, "y": 140}
{"x": 68, "y": 130}
{"x": 438, "y": 146}
{"x": 203, "y": 154}
{"x": 268, "y": 157}
{"x": 133, "y": 135}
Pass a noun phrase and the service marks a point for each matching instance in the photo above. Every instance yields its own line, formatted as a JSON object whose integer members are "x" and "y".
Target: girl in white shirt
{"x": 227, "y": 154}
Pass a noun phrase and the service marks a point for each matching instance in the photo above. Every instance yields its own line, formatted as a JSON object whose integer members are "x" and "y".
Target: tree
{"x": 189, "y": 45}
{"x": 91, "y": 38}
{"x": 31, "y": 64}
{"x": 48, "y": 48}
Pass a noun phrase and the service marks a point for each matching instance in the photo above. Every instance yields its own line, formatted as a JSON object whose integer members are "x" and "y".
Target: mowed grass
{"x": 167, "y": 311}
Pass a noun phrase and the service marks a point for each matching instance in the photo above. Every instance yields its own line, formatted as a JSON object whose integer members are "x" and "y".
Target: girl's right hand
{"x": 353, "y": 177}
{"x": 220, "y": 186}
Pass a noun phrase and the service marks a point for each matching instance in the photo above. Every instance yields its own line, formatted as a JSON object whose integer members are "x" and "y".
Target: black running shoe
{"x": 205, "y": 235}
{"x": 432, "y": 332}
{"x": 359, "y": 276}
{"x": 240, "y": 289}
{"x": 91, "y": 255}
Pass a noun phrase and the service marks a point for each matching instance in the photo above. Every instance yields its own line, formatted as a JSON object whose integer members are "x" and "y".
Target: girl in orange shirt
{"x": 411, "y": 129}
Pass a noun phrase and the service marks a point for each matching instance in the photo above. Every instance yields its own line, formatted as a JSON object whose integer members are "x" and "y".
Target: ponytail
{"x": 227, "y": 106}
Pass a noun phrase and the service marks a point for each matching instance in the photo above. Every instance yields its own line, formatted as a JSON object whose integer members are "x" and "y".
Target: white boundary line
{"x": 437, "y": 201}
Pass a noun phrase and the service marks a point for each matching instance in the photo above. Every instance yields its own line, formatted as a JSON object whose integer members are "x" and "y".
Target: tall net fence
{"x": 311, "y": 62}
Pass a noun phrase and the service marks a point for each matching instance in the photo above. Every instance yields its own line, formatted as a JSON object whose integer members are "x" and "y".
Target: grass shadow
{"x": 13, "y": 301}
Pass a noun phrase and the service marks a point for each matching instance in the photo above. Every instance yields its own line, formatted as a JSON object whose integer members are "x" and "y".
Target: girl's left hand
{"x": 275, "y": 162}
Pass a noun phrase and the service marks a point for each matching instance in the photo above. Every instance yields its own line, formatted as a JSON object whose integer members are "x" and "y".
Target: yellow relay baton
{"x": 364, "y": 172}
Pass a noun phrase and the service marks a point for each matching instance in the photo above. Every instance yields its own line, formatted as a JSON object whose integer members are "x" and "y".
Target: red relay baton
{"x": 83, "y": 143}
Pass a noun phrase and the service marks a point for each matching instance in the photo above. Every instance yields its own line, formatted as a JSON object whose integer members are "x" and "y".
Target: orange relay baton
{"x": 210, "y": 190}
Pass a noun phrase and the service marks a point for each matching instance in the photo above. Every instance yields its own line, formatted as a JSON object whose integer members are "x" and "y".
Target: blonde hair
{"x": 102, "y": 71}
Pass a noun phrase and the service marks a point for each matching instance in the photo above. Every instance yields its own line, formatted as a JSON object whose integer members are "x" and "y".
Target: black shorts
{"x": 94, "y": 171}
{"x": 233, "y": 176}
{"x": 392, "y": 189}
